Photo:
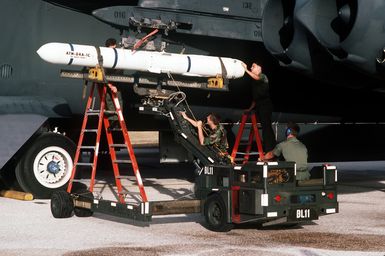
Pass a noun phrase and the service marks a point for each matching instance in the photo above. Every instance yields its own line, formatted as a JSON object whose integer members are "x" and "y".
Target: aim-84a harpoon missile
{"x": 147, "y": 61}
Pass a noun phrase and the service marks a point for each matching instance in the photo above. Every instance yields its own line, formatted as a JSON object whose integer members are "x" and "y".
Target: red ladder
{"x": 253, "y": 133}
{"x": 103, "y": 120}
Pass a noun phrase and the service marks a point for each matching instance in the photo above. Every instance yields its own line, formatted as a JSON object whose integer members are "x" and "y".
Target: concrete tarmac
{"x": 28, "y": 228}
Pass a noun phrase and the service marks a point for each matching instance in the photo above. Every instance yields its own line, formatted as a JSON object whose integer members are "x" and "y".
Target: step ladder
{"x": 243, "y": 157}
{"x": 102, "y": 120}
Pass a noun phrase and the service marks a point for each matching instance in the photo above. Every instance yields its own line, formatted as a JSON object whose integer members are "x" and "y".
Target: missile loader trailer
{"x": 226, "y": 193}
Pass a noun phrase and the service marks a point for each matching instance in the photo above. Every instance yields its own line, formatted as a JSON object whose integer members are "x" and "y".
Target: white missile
{"x": 147, "y": 61}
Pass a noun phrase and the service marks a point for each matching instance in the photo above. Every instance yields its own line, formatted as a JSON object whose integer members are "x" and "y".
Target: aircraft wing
{"x": 17, "y": 128}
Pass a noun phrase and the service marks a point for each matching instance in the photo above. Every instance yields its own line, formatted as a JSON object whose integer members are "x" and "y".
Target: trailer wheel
{"x": 62, "y": 204}
{"x": 215, "y": 214}
{"x": 46, "y": 165}
{"x": 87, "y": 196}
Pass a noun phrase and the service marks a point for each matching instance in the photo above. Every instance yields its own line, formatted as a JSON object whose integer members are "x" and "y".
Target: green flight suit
{"x": 294, "y": 151}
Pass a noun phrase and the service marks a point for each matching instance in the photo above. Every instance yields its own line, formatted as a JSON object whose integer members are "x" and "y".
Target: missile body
{"x": 147, "y": 61}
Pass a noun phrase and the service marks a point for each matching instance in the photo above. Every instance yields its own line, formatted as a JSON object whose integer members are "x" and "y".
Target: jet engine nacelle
{"x": 309, "y": 34}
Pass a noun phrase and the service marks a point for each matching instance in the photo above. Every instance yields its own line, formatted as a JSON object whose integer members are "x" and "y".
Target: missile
{"x": 147, "y": 61}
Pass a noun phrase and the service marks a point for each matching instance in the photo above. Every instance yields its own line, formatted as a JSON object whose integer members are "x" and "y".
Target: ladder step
{"x": 122, "y": 161}
{"x": 90, "y": 130}
{"x": 93, "y": 112}
{"x": 81, "y": 180}
{"x": 77, "y": 180}
{"x": 88, "y": 147}
{"x": 114, "y": 129}
{"x": 110, "y": 112}
{"x": 124, "y": 177}
{"x": 118, "y": 145}
{"x": 85, "y": 164}
{"x": 251, "y": 153}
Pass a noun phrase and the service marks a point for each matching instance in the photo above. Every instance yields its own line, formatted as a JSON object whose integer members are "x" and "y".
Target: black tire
{"x": 215, "y": 214}
{"x": 62, "y": 204}
{"x": 8, "y": 177}
{"x": 46, "y": 165}
{"x": 87, "y": 196}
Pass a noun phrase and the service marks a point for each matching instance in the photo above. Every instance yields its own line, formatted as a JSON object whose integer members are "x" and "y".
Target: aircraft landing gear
{"x": 46, "y": 165}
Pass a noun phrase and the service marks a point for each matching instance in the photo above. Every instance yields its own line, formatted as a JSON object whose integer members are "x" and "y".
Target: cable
{"x": 176, "y": 94}
{"x": 177, "y": 86}
{"x": 143, "y": 40}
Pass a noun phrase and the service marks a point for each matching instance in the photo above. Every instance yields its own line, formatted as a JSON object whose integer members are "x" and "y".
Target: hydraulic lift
{"x": 226, "y": 193}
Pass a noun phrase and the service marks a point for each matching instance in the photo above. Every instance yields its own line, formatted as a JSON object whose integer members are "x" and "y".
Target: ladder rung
{"x": 122, "y": 161}
{"x": 118, "y": 145}
{"x": 88, "y": 147}
{"x": 93, "y": 113}
{"x": 84, "y": 164}
{"x": 114, "y": 129}
{"x": 109, "y": 112}
{"x": 87, "y": 179}
{"x": 239, "y": 159}
{"x": 251, "y": 153}
{"x": 123, "y": 177}
{"x": 77, "y": 180}
{"x": 90, "y": 130}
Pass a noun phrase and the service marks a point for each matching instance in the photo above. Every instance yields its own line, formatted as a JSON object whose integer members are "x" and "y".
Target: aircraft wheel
{"x": 87, "y": 196}
{"x": 46, "y": 165}
{"x": 62, "y": 204}
{"x": 215, "y": 214}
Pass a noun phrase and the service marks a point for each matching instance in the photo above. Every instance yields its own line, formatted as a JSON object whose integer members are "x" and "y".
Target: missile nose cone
{"x": 43, "y": 52}
{"x": 40, "y": 51}
{"x": 49, "y": 52}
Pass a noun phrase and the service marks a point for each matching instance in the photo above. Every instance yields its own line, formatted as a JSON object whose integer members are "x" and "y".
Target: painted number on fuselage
{"x": 247, "y": 5}
{"x": 303, "y": 214}
{"x": 119, "y": 15}
{"x": 258, "y": 30}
